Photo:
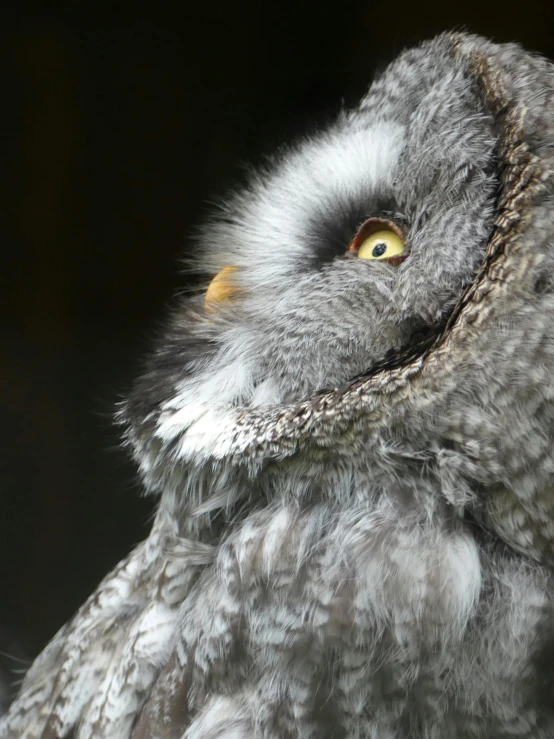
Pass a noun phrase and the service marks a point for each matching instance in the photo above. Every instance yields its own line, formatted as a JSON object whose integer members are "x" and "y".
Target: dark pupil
{"x": 379, "y": 249}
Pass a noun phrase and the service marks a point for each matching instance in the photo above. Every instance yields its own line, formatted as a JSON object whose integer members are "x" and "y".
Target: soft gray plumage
{"x": 354, "y": 460}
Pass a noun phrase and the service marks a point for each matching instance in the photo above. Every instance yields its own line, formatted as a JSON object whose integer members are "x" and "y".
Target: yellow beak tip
{"x": 221, "y": 288}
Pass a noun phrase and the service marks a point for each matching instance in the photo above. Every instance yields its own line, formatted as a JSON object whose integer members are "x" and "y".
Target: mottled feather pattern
{"x": 354, "y": 461}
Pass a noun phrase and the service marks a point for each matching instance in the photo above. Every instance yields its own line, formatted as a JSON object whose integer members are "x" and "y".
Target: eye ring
{"x": 388, "y": 236}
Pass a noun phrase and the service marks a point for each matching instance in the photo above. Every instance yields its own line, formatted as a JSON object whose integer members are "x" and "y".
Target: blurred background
{"x": 118, "y": 127}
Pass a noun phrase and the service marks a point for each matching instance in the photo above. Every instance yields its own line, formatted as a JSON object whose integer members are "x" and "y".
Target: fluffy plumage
{"x": 354, "y": 460}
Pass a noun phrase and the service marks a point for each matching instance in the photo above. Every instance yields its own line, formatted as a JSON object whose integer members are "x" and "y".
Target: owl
{"x": 350, "y": 432}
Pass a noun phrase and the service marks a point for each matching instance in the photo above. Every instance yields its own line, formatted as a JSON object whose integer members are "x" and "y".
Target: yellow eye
{"x": 381, "y": 245}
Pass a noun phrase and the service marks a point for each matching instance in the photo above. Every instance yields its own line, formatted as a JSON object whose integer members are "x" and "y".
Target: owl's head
{"x": 344, "y": 253}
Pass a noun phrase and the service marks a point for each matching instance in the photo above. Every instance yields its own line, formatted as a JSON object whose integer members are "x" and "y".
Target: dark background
{"x": 117, "y": 128}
